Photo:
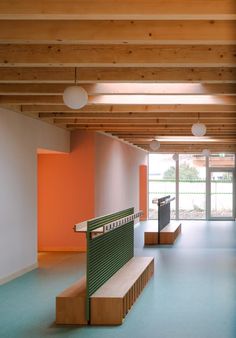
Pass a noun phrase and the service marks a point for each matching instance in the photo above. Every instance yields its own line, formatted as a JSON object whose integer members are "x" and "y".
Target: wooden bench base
{"x": 71, "y": 304}
{"x": 167, "y": 235}
{"x": 111, "y": 302}
{"x": 151, "y": 237}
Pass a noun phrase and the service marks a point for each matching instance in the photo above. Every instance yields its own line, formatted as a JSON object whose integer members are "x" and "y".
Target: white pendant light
{"x": 199, "y": 129}
{"x": 175, "y": 157}
{"x": 75, "y": 97}
{"x": 155, "y": 145}
{"x": 206, "y": 152}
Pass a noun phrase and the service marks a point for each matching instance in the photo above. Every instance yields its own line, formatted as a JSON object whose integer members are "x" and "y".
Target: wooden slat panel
{"x": 193, "y": 148}
{"x": 162, "y": 128}
{"x": 144, "y": 116}
{"x": 168, "y": 108}
{"x": 148, "y": 140}
{"x": 117, "y": 55}
{"x": 154, "y": 133}
{"x": 31, "y": 99}
{"x": 100, "y": 9}
{"x": 111, "y": 74}
{"x": 167, "y": 123}
{"x": 37, "y": 75}
{"x": 121, "y": 99}
{"x": 109, "y": 31}
{"x": 122, "y": 88}
{"x": 155, "y": 74}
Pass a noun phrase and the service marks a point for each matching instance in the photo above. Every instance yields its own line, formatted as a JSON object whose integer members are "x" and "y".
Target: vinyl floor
{"x": 192, "y": 293}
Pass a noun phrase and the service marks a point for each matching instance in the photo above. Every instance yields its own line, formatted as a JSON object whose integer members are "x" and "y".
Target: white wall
{"x": 117, "y": 175}
{"x": 20, "y": 136}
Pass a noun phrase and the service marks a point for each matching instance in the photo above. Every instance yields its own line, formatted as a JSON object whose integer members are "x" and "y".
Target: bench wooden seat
{"x": 167, "y": 235}
{"x": 71, "y": 304}
{"x": 112, "y": 301}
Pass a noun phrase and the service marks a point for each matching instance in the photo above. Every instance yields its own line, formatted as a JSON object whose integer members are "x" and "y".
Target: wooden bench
{"x": 71, "y": 304}
{"x": 112, "y": 301}
{"x": 167, "y": 235}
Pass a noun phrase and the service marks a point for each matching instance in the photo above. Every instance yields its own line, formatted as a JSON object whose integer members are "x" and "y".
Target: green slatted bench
{"x": 112, "y": 301}
{"x": 114, "y": 277}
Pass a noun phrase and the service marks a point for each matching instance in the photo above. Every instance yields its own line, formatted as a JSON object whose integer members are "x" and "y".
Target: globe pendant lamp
{"x": 155, "y": 145}
{"x": 75, "y": 97}
{"x": 198, "y": 129}
{"x": 206, "y": 152}
{"x": 175, "y": 157}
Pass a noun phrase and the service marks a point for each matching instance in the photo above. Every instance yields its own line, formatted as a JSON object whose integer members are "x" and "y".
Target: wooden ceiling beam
{"x": 117, "y": 55}
{"x": 42, "y": 75}
{"x": 148, "y": 140}
{"x": 31, "y": 99}
{"x": 120, "y": 89}
{"x": 220, "y": 129}
{"x": 112, "y": 74}
{"x": 154, "y": 134}
{"x": 118, "y": 131}
{"x": 143, "y": 136}
{"x": 121, "y": 99}
{"x": 190, "y": 148}
{"x": 116, "y": 9}
{"x": 151, "y": 135}
{"x": 165, "y": 123}
{"x": 123, "y": 134}
{"x": 115, "y": 32}
{"x": 143, "y": 116}
{"x": 168, "y": 108}
{"x": 157, "y": 74}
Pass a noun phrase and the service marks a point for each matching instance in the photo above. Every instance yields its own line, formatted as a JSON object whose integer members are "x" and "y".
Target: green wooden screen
{"x": 107, "y": 253}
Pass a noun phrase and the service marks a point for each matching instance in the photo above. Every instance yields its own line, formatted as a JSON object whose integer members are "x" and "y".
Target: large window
{"x": 161, "y": 181}
{"x": 192, "y": 186}
{"x": 203, "y": 187}
{"x": 221, "y": 194}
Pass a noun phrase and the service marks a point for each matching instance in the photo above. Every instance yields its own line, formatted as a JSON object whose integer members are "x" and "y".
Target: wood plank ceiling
{"x": 151, "y": 68}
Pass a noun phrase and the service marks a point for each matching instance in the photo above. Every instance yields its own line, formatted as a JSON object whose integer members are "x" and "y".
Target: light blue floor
{"x": 192, "y": 294}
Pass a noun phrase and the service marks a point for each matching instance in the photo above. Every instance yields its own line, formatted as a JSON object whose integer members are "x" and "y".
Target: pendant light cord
{"x": 75, "y": 75}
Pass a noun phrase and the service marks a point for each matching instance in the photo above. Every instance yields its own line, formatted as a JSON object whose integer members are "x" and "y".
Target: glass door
{"x": 221, "y": 194}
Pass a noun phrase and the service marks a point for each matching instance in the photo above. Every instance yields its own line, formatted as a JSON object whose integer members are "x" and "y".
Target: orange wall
{"x": 143, "y": 191}
{"x": 66, "y": 191}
